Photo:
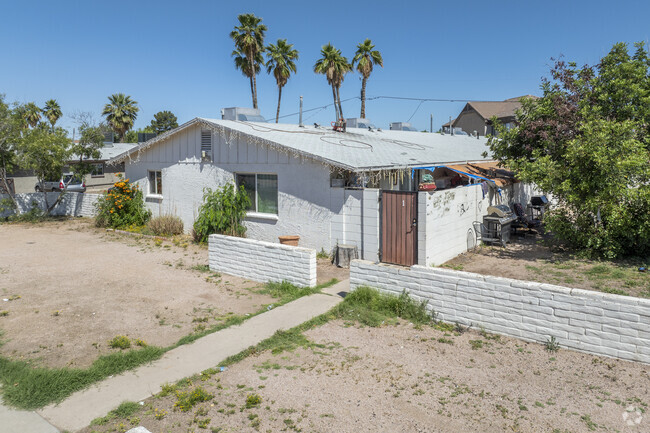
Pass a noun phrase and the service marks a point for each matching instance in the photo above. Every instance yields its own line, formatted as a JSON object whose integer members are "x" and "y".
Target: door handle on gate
{"x": 415, "y": 222}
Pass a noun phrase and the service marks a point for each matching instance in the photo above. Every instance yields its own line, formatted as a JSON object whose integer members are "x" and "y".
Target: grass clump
{"x": 552, "y": 345}
{"x": 166, "y": 225}
{"x": 29, "y": 388}
{"x": 372, "y": 308}
{"x": 124, "y": 410}
{"x": 185, "y": 400}
{"x": 119, "y": 342}
{"x": 253, "y": 400}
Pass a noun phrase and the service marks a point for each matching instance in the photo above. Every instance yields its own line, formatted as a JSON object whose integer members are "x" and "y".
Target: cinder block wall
{"x": 262, "y": 261}
{"x": 72, "y": 203}
{"x": 593, "y": 322}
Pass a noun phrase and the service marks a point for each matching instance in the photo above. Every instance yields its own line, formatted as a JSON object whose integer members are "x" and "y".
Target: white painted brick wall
{"x": 262, "y": 261}
{"x": 592, "y": 322}
{"x": 72, "y": 203}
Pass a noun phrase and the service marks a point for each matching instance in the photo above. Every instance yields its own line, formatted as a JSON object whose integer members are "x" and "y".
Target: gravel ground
{"x": 397, "y": 378}
{"x": 70, "y": 287}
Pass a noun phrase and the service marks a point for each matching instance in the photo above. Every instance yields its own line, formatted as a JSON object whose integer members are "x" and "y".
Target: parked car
{"x": 69, "y": 182}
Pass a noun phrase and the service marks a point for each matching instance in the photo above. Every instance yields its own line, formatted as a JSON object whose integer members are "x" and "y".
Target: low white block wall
{"x": 593, "y": 322}
{"x": 72, "y": 203}
{"x": 262, "y": 261}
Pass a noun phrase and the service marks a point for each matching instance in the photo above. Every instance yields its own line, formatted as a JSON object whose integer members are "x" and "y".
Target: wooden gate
{"x": 399, "y": 232}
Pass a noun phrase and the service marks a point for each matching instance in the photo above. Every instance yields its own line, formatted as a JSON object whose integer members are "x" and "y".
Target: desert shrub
{"x": 222, "y": 212}
{"x": 185, "y": 401}
{"x": 121, "y": 206}
{"x": 166, "y": 225}
{"x": 120, "y": 342}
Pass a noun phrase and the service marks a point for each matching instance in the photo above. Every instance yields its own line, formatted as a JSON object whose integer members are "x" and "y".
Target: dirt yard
{"x": 67, "y": 288}
{"x": 531, "y": 259}
{"x": 397, "y": 378}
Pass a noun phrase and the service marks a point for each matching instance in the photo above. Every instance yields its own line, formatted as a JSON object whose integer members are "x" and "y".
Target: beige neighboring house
{"x": 476, "y": 116}
{"x": 102, "y": 177}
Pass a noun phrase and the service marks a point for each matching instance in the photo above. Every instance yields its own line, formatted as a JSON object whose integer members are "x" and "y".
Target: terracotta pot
{"x": 289, "y": 240}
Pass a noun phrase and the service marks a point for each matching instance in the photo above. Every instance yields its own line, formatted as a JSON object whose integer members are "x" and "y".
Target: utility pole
{"x": 451, "y": 127}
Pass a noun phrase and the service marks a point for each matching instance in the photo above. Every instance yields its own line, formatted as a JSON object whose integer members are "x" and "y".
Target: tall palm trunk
{"x": 277, "y": 114}
{"x": 363, "y": 97}
{"x": 338, "y": 98}
{"x": 252, "y": 91}
{"x": 252, "y": 66}
{"x": 336, "y": 109}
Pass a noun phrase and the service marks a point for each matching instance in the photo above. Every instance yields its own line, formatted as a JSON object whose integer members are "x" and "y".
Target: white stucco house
{"x": 326, "y": 186}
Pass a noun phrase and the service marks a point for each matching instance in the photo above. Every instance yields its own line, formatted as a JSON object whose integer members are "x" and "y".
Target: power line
{"x": 404, "y": 98}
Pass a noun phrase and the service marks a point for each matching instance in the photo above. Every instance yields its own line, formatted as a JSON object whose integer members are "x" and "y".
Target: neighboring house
{"x": 476, "y": 116}
{"x": 357, "y": 187}
{"x": 101, "y": 178}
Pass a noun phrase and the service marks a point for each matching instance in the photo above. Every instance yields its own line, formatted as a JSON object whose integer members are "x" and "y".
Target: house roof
{"x": 501, "y": 109}
{"x": 110, "y": 152}
{"x": 357, "y": 149}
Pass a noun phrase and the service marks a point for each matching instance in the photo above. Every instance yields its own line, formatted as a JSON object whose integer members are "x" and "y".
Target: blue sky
{"x": 176, "y": 55}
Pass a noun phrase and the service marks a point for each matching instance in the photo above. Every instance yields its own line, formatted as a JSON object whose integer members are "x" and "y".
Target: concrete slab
{"x": 82, "y": 407}
{"x": 20, "y": 421}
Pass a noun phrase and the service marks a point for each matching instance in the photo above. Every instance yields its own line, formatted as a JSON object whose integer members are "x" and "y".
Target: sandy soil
{"x": 70, "y": 287}
{"x": 532, "y": 259}
{"x": 402, "y": 379}
{"x": 327, "y": 271}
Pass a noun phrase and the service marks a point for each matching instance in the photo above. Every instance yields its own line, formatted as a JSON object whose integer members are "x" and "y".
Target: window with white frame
{"x": 155, "y": 182}
{"x": 262, "y": 189}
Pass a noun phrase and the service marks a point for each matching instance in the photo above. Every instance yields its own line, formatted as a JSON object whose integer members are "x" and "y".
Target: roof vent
{"x": 402, "y": 126}
{"x": 242, "y": 114}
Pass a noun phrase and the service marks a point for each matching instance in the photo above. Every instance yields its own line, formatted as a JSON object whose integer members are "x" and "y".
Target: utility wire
{"x": 422, "y": 100}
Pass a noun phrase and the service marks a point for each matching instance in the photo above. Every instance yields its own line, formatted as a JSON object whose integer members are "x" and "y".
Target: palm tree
{"x": 280, "y": 63}
{"x": 365, "y": 58}
{"x": 249, "y": 40}
{"x": 241, "y": 63}
{"x": 334, "y": 66}
{"x": 121, "y": 112}
{"x": 32, "y": 114}
{"x": 52, "y": 111}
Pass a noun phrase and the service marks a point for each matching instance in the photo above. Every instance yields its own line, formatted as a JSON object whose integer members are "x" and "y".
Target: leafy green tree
{"x": 164, "y": 121}
{"x": 132, "y": 135}
{"x": 587, "y": 142}
{"x": 32, "y": 114}
{"x": 249, "y": 40}
{"x": 12, "y": 123}
{"x": 91, "y": 140}
{"x": 121, "y": 112}
{"x": 334, "y": 66}
{"x": 46, "y": 152}
{"x": 365, "y": 58}
{"x": 223, "y": 211}
{"x": 281, "y": 63}
{"x": 52, "y": 111}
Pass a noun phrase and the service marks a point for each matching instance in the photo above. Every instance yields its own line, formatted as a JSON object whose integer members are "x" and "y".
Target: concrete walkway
{"x": 21, "y": 421}
{"x": 82, "y": 407}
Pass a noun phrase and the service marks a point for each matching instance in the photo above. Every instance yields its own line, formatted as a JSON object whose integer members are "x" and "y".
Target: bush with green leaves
{"x": 586, "y": 141}
{"x": 122, "y": 206}
{"x": 166, "y": 225}
{"x": 222, "y": 212}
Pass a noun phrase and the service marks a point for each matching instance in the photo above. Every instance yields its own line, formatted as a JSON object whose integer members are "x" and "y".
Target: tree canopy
{"x": 121, "y": 112}
{"x": 365, "y": 57}
{"x": 281, "y": 64}
{"x": 334, "y": 66}
{"x": 249, "y": 41}
{"x": 587, "y": 142}
{"x": 164, "y": 121}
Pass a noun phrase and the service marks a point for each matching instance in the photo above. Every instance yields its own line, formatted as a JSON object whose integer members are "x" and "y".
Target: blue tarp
{"x": 470, "y": 175}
